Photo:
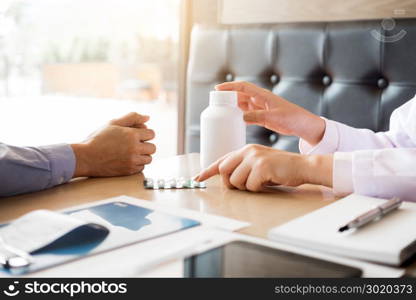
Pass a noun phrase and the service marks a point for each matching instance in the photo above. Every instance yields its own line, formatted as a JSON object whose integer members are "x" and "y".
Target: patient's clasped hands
{"x": 120, "y": 148}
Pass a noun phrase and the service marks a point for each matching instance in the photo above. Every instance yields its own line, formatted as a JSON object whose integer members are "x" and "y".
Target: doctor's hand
{"x": 254, "y": 166}
{"x": 262, "y": 107}
{"x": 120, "y": 148}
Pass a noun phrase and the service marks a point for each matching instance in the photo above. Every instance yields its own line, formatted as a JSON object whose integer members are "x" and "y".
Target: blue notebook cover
{"x": 128, "y": 224}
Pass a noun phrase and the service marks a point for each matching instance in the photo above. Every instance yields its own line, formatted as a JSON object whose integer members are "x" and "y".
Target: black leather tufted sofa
{"x": 341, "y": 70}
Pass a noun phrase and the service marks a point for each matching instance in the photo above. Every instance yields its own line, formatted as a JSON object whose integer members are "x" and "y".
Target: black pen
{"x": 373, "y": 214}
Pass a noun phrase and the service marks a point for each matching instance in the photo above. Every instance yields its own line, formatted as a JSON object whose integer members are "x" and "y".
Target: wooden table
{"x": 262, "y": 210}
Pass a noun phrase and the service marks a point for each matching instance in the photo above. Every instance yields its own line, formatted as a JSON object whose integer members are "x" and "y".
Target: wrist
{"x": 314, "y": 130}
{"x": 318, "y": 169}
{"x": 81, "y": 160}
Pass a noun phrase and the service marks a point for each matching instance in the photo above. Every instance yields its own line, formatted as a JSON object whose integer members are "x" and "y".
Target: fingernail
{"x": 196, "y": 178}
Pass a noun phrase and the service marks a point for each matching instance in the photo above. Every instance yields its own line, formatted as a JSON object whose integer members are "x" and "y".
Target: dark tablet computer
{"x": 242, "y": 259}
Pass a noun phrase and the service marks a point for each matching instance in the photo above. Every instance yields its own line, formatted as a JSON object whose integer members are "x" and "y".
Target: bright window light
{"x": 68, "y": 66}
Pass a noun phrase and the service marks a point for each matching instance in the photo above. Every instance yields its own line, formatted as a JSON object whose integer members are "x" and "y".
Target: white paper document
{"x": 37, "y": 229}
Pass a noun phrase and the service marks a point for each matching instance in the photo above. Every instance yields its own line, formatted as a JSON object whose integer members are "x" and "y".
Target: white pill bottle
{"x": 222, "y": 127}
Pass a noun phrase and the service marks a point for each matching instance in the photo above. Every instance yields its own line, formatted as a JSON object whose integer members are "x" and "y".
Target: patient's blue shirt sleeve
{"x": 29, "y": 169}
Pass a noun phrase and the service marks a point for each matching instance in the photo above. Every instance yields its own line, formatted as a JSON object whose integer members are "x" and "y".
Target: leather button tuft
{"x": 274, "y": 79}
{"x": 229, "y": 77}
{"x": 326, "y": 80}
{"x": 273, "y": 138}
{"x": 382, "y": 83}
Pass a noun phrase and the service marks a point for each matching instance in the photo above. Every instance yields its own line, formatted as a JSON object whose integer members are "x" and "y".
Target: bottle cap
{"x": 223, "y": 98}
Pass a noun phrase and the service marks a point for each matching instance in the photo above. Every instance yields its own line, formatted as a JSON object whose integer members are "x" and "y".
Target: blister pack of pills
{"x": 172, "y": 183}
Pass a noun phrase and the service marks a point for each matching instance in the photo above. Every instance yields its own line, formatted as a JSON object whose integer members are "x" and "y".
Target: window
{"x": 68, "y": 66}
